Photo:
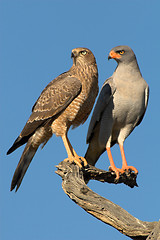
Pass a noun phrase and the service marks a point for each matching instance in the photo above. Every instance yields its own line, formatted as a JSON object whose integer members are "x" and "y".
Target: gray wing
{"x": 107, "y": 91}
{"x": 58, "y": 94}
{"x": 146, "y": 104}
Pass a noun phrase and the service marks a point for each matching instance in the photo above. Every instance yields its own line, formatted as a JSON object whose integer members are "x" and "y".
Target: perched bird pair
{"x": 68, "y": 100}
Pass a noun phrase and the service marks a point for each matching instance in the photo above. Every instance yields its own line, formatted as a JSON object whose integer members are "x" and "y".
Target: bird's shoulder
{"x": 108, "y": 87}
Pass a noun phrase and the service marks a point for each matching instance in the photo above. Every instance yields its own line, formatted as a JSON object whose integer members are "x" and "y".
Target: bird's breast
{"x": 129, "y": 104}
{"x": 83, "y": 105}
{"x": 78, "y": 110}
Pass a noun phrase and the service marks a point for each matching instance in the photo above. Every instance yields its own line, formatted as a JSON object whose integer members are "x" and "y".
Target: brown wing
{"x": 59, "y": 93}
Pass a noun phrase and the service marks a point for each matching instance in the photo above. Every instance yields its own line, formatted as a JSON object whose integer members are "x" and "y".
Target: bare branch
{"x": 74, "y": 186}
{"x": 128, "y": 178}
{"x": 155, "y": 234}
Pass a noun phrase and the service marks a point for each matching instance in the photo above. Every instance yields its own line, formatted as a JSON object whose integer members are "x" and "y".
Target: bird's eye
{"x": 83, "y": 52}
{"x": 121, "y": 52}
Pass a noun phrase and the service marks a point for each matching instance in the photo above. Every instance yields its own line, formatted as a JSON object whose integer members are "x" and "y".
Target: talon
{"x": 115, "y": 170}
{"x": 72, "y": 161}
{"x": 72, "y": 155}
{"x": 80, "y": 161}
{"x": 127, "y": 168}
{"x": 66, "y": 160}
{"x": 85, "y": 165}
{"x": 83, "y": 161}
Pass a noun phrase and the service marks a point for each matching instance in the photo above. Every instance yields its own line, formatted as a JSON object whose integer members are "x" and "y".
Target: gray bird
{"x": 119, "y": 109}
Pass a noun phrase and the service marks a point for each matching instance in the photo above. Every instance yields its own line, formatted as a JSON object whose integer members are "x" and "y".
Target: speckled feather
{"x": 66, "y": 101}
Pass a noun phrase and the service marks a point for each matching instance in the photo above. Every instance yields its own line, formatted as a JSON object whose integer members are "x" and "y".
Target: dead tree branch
{"x": 75, "y": 187}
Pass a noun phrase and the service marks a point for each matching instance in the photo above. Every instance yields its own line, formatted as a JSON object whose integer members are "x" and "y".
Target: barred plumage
{"x": 66, "y": 101}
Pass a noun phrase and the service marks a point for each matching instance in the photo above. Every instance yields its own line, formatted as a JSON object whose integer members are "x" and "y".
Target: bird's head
{"x": 83, "y": 56}
{"x": 122, "y": 54}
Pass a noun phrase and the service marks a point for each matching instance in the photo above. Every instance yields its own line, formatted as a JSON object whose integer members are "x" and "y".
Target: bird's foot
{"x": 80, "y": 161}
{"x": 116, "y": 170}
{"x": 124, "y": 169}
{"x": 128, "y": 168}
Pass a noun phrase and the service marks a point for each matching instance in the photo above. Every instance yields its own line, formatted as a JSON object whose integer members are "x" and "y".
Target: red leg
{"x": 124, "y": 162}
{"x": 112, "y": 165}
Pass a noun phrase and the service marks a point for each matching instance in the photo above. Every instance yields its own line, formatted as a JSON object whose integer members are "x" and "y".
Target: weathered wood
{"x": 74, "y": 186}
{"x": 155, "y": 234}
{"x": 128, "y": 178}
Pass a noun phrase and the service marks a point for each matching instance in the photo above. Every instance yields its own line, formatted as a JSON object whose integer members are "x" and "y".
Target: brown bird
{"x": 66, "y": 101}
{"x": 120, "y": 107}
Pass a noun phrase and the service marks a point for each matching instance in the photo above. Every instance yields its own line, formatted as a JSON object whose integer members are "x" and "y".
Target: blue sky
{"x": 35, "y": 46}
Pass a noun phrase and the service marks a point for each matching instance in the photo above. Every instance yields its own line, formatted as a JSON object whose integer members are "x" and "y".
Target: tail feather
{"x": 94, "y": 150}
{"x": 93, "y": 153}
{"x": 18, "y": 142}
{"x": 42, "y": 135}
{"x": 23, "y": 164}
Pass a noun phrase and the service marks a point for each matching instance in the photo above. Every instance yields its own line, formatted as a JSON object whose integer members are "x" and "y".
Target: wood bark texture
{"x": 74, "y": 185}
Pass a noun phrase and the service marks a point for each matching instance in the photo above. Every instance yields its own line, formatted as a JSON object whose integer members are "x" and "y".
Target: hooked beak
{"x": 113, "y": 55}
{"x": 73, "y": 54}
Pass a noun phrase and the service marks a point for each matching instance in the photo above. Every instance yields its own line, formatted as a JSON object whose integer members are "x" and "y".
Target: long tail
{"x": 93, "y": 153}
{"x": 18, "y": 142}
{"x": 23, "y": 164}
{"x": 94, "y": 150}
